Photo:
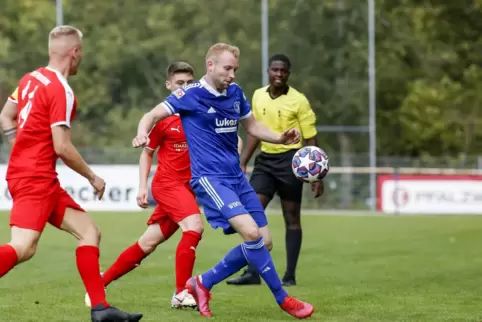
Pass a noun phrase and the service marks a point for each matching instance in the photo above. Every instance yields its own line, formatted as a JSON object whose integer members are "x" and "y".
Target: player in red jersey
{"x": 45, "y": 107}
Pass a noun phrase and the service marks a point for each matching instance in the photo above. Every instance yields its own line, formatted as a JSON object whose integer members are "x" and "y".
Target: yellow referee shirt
{"x": 290, "y": 110}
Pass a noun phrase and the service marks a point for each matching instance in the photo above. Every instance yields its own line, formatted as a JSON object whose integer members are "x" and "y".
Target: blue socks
{"x": 258, "y": 256}
{"x": 231, "y": 263}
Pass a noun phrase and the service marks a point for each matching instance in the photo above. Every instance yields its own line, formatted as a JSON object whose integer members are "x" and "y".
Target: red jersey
{"x": 173, "y": 162}
{"x": 45, "y": 100}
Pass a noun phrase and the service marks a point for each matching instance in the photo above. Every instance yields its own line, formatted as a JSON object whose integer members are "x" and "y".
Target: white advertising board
{"x": 120, "y": 194}
{"x": 430, "y": 194}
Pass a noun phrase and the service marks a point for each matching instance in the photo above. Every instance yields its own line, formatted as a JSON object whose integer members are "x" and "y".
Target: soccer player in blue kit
{"x": 210, "y": 111}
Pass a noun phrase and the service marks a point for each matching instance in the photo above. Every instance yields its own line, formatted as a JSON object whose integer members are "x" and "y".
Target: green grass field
{"x": 352, "y": 268}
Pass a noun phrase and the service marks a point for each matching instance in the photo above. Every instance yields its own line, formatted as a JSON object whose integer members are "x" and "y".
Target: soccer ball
{"x": 310, "y": 164}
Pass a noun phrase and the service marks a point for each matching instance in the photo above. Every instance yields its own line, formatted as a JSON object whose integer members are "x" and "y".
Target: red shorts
{"x": 175, "y": 202}
{"x": 37, "y": 201}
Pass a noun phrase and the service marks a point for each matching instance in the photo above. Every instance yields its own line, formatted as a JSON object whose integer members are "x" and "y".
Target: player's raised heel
{"x": 102, "y": 314}
{"x": 297, "y": 308}
{"x": 200, "y": 294}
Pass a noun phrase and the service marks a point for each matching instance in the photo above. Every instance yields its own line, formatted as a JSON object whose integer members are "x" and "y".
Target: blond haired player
{"x": 37, "y": 120}
{"x": 211, "y": 110}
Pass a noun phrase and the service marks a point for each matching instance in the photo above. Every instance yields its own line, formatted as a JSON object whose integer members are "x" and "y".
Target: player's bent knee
{"x": 148, "y": 245}
{"x": 80, "y": 225}
{"x": 192, "y": 223}
{"x": 24, "y": 251}
{"x": 151, "y": 239}
{"x": 251, "y": 233}
{"x": 246, "y": 227}
{"x": 24, "y": 241}
{"x": 90, "y": 235}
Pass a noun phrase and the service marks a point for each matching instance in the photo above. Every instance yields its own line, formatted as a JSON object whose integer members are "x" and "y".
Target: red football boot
{"x": 297, "y": 308}
{"x": 201, "y": 295}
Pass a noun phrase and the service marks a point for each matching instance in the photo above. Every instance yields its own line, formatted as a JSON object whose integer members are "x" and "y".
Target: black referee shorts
{"x": 272, "y": 174}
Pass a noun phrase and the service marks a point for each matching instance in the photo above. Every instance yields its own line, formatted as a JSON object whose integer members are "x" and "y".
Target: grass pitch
{"x": 352, "y": 268}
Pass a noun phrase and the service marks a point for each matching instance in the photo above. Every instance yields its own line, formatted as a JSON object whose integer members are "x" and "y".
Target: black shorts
{"x": 272, "y": 174}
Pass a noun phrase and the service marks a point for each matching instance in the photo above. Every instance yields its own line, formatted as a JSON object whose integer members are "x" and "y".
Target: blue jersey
{"x": 210, "y": 120}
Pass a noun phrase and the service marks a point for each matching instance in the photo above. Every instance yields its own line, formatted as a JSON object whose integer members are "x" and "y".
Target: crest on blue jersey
{"x": 179, "y": 93}
{"x": 236, "y": 106}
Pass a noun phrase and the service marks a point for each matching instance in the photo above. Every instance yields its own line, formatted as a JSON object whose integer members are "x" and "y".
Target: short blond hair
{"x": 64, "y": 31}
{"x": 217, "y": 49}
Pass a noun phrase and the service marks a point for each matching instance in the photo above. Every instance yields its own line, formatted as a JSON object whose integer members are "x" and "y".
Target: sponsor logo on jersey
{"x": 226, "y": 125}
{"x": 180, "y": 146}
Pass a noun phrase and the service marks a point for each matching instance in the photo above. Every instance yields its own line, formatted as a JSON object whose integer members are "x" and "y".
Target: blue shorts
{"x": 225, "y": 198}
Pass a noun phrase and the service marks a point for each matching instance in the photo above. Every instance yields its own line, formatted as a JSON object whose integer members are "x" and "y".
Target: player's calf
{"x": 24, "y": 242}
{"x": 151, "y": 238}
{"x": 21, "y": 248}
{"x": 82, "y": 227}
{"x": 192, "y": 228}
{"x": 250, "y": 276}
{"x": 132, "y": 256}
{"x": 257, "y": 254}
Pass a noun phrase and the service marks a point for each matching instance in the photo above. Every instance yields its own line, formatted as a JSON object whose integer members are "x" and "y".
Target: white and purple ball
{"x": 310, "y": 164}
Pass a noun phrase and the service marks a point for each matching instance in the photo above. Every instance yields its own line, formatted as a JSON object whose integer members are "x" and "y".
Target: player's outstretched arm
{"x": 68, "y": 153}
{"x": 8, "y": 121}
{"x": 146, "y": 123}
{"x": 261, "y": 132}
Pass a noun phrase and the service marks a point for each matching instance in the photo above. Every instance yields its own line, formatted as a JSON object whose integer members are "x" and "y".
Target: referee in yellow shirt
{"x": 280, "y": 107}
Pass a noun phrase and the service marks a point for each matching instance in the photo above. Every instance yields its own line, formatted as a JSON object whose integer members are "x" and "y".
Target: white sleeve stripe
{"x": 60, "y": 123}
{"x": 12, "y": 100}
{"x": 149, "y": 148}
{"x": 169, "y": 108}
{"x": 246, "y": 116}
{"x": 69, "y": 99}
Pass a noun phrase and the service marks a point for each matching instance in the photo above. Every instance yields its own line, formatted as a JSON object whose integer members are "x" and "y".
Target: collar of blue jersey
{"x": 210, "y": 89}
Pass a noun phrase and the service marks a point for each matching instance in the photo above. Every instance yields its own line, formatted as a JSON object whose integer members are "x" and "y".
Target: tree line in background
{"x": 428, "y": 63}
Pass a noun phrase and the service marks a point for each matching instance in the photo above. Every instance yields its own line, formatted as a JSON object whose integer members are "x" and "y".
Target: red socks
{"x": 8, "y": 259}
{"x": 88, "y": 266}
{"x": 127, "y": 261}
{"x": 185, "y": 257}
